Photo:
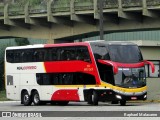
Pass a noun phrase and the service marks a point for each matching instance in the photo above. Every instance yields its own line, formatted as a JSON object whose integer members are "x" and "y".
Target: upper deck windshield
{"x": 128, "y": 53}
{"x": 125, "y": 53}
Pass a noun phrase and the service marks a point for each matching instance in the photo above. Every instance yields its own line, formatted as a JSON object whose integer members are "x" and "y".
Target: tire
{"x": 122, "y": 102}
{"x": 89, "y": 100}
{"x": 26, "y": 99}
{"x": 95, "y": 98}
{"x": 36, "y": 98}
{"x": 114, "y": 102}
{"x": 62, "y": 103}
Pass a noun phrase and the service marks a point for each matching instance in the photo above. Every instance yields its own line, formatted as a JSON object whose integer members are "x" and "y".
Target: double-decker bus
{"x": 86, "y": 71}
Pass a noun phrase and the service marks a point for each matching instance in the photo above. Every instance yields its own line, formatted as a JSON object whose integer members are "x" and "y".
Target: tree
{"x": 2, "y": 51}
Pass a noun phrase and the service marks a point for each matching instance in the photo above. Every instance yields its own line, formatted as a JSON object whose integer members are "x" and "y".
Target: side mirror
{"x": 151, "y": 64}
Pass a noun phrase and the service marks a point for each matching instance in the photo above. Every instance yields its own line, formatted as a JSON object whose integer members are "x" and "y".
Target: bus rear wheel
{"x": 26, "y": 100}
{"x": 36, "y": 98}
{"x": 123, "y": 102}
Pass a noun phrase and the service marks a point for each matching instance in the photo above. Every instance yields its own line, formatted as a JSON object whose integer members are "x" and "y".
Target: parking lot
{"x": 81, "y": 110}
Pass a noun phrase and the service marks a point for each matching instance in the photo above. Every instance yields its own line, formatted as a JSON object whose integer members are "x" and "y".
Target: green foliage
{"x": 3, "y": 96}
{"x": 22, "y": 41}
{"x": 2, "y": 51}
{"x": 31, "y": 2}
{"x": 35, "y": 1}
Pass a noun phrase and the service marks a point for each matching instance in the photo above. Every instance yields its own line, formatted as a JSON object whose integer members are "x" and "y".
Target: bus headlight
{"x": 145, "y": 96}
{"x": 118, "y": 96}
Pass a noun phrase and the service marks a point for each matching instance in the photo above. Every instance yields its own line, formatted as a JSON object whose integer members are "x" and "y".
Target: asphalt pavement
{"x": 80, "y": 111}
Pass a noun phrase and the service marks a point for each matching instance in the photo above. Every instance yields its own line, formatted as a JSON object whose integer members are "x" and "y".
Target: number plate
{"x": 133, "y": 98}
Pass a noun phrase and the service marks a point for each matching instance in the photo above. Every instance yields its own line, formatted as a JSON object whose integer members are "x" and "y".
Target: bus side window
{"x": 83, "y": 54}
{"x": 26, "y": 55}
{"x": 46, "y": 79}
{"x": 53, "y": 54}
{"x": 39, "y": 78}
{"x": 30, "y": 55}
{"x": 17, "y": 56}
{"x": 67, "y": 78}
{"x": 9, "y": 56}
{"x": 55, "y": 79}
{"x": 39, "y": 55}
{"x": 83, "y": 79}
{"x": 68, "y": 53}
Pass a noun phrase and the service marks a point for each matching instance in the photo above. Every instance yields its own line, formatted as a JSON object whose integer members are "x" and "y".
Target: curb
{"x": 9, "y": 101}
{"x": 146, "y": 101}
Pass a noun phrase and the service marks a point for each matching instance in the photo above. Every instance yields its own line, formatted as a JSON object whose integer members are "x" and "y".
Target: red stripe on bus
{"x": 66, "y": 95}
{"x": 67, "y": 44}
{"x": 124, "y": 65}
{"x": 69, "y": 66}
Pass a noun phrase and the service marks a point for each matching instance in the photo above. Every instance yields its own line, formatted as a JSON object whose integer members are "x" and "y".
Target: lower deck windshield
{"x": 130, "y": 77}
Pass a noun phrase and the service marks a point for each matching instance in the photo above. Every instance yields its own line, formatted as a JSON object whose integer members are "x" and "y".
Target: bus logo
{"x": 27, "y": 68}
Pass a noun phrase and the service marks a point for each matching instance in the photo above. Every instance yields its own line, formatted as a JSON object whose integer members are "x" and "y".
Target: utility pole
{"x": 101, "y": 30}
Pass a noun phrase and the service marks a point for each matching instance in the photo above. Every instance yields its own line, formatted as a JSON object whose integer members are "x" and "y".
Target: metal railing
{"x": 131, "y": 3}
{"x": 153, "y": 2}
{"x": 15, "y": 9}
{"x": 110, "y": 4}
{"x": 39, "y": 7}
{"x": 81, "y": 5}
{"x": 60, "y": 6}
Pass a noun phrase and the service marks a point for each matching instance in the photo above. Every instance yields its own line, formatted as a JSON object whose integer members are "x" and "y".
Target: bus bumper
{"x": 110, "y": 95}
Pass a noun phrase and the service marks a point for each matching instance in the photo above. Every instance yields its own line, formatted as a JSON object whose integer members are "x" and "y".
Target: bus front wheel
{"x": 95, "y": 98}
{"x": 36, "y": 98}
{"x": 122, "y": 102}
{"x": 26, "y": 100}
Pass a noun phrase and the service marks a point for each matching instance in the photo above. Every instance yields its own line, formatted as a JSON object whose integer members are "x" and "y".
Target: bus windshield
{"x": 130, "y": 77}
{"x": 125, "y": 53}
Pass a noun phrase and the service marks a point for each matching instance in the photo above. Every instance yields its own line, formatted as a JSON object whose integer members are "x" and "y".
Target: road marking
{"x": 9, "y": 101}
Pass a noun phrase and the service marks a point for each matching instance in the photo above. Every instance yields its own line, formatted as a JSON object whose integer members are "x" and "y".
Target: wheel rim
{"x": 26, "y": 98}
{"x": 92, "y": 98}
{"x": 36, "y": 98}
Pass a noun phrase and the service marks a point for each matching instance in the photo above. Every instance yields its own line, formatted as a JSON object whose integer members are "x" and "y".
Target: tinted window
{"x": 39, "y": 55}
{"x": 48, "y": 54}
{"x": 100, "y": 51}
{"x": 10, "y": 56}
{"x": 26, "y": 55}
{"x": 82, "y": 53}
{"x": 65, "y": 79}
{"x": 53, "y": 54}
{"x": 17, "y": 56}
{"x": 68, "y": 53}
{"x": 125, "y": 53}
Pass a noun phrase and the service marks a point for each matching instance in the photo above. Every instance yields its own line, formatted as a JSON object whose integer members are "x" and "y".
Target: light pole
{"x": 101, "y": 31}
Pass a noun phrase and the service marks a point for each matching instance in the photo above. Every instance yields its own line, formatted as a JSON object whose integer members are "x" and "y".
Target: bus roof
{"x": 45, "y": 45}
{"x": 71, "y": 44}
{"x": 112, "y": 42}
